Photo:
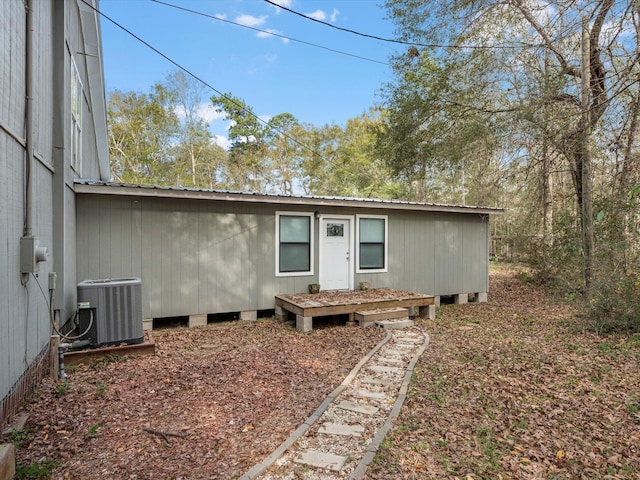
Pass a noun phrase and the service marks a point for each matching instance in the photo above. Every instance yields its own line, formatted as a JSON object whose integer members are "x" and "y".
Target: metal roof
{"x": 112, "y": 188}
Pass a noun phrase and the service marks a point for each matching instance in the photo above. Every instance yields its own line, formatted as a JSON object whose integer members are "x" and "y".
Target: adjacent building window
{"x": 76, "y": 119}
{"x": 294, "y": 243}
{"x": 372, "y": 243}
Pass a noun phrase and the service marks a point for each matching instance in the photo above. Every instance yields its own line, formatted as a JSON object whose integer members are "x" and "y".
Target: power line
{"x": 197, "y": 78}
{"x": 249, "y": 112}
{"x": 394, "y": 40}
{"x": 193, "y": 75}
{"x": 270, "y": 33}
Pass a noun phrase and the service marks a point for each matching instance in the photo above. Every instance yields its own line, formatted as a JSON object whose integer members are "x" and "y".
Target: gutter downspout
{"x": 28, "y": 220}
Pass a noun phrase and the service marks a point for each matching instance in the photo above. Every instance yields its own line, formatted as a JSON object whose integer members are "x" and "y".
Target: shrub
{"x": 615, "y": 307}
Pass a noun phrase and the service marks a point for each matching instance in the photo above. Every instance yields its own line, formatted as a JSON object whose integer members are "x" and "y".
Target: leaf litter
{"x": 211, "y": 403}
{"x": 516, "y": 388}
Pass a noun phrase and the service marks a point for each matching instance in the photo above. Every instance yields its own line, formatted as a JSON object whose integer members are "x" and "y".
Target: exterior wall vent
{"x": 115, "y": 307}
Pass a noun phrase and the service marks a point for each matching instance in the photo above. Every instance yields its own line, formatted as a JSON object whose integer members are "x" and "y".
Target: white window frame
{"x": 76, "y": 101}
{"x": 311, "y": 244}
{"x": 386, "y": 244}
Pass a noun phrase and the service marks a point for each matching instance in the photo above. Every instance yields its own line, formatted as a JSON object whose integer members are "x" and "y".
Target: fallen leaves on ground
{"x": 517, "y": 389}
{"x": 510, "y": 389}
{"x": 211, "y": 403}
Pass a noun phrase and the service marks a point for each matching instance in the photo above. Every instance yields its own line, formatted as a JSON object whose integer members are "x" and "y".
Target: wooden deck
{"x": 306, "y": 305}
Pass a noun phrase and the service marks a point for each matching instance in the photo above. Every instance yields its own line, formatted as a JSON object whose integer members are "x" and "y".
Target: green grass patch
{"x": 93, "y": 431}
{"x": 21, "y": 438}
{"x": 36, "y": 470}
{"x": 103, "y": 361}
{"x": 62, "y": 388}
{"x": 101, "y": 389}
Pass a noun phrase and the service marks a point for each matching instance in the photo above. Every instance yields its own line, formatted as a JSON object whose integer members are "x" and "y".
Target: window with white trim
{"x": 76, "y": 119}
{"x": 372, "y": 240}
{"x": 294, "y": 244}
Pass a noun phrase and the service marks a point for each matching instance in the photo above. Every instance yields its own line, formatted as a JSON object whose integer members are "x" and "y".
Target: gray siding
{"x": 435, "y": 253}
{"x": 12, "y": 38}
{"x": 193, "y": 256}
{"x": 24, "y": 318}
{"x": 24, "y": 300}
{"x": 43, "y": 83}
{"x": 199, "y": 256}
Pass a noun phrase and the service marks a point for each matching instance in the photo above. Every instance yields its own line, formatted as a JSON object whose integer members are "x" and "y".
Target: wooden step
{"x": 366, "y": 318}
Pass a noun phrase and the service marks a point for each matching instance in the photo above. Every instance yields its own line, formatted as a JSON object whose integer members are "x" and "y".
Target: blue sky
{"x": 271, "y": 74}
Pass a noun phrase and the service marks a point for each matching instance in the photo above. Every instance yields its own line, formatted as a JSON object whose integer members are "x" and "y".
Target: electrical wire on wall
{"x": 74, "y": 319}
{"x": 40, "y": 358}
{"x": 26, "y": 326}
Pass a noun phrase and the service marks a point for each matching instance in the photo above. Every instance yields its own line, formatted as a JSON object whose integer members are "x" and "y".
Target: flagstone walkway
{"x": 342, "y": 436}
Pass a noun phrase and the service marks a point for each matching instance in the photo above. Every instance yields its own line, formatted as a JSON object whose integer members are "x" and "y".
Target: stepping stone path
{"x": 340, "y": 439}
{"x": 369, "y": 394}
{"x": 395, "y": 324}
{"x": 385, "y": 369}
{"x": 357, "y": 407}
{"x": 375, "y": 381}
{"x": 321, "y": 460}
{"x": 341, "y": 429}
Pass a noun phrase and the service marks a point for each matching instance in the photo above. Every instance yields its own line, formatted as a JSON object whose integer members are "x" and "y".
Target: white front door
{"x": 336, "y": 264}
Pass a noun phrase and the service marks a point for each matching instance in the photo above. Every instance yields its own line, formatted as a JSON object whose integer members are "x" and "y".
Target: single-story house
{"x": 197, "y": 252}
{"x": 201, "y": 252}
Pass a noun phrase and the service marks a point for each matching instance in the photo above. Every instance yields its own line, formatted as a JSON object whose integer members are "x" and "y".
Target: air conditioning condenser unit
{"x": 111, "y": 311}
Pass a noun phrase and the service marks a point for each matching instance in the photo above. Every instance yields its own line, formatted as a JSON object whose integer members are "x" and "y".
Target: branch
{"x": 566, "y": 68}
{"x": 482, "y": 110}
{"x": 598, "y": 72}
{"x": 567, "y": 98}
{"x": 164, "y": 435}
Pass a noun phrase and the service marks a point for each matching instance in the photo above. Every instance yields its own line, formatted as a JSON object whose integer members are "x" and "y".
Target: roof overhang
{"x": 110, "y": 188}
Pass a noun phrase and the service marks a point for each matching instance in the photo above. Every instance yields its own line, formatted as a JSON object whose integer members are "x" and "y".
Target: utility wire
{"x": 394, "y": 40}
{"x": 248, "y": 111}
{"x": 196, "y": 77}
{"x": 270, "y": 33}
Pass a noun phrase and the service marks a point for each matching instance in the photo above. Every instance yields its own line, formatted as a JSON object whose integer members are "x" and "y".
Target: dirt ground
{"x": 514, "y": 388}
{"x": 224, "y": 396}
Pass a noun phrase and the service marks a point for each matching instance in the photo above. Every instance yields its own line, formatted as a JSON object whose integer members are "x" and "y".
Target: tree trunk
{"x": 627, "y": 180}
{"x": 547, "y": 208}
{"x": 585, "y": 161}
{"x": 547, "y": 187}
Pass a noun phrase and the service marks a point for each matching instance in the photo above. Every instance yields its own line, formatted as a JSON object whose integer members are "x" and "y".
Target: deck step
{"x": 366, "y": 318}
